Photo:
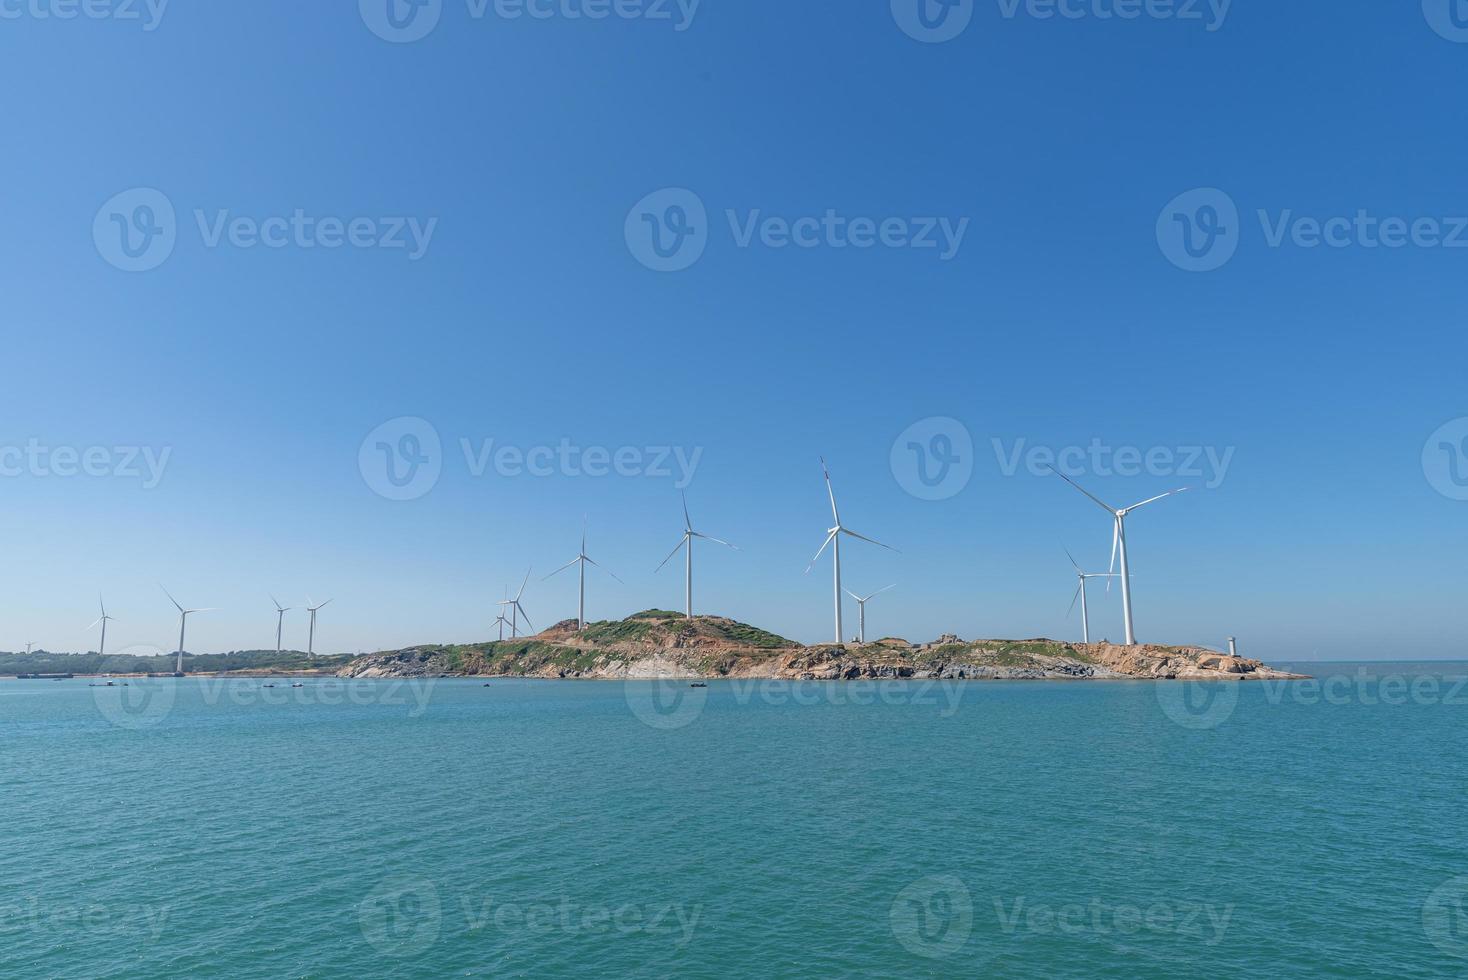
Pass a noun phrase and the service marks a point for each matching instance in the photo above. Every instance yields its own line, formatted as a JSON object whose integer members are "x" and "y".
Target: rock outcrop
{"x": 664, "y": 644}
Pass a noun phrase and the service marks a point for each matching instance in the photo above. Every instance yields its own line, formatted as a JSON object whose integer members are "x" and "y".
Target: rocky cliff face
{"x": 662, "y": 644}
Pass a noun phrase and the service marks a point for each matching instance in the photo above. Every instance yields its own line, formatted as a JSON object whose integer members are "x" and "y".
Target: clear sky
{"x": 1062, "y": 309}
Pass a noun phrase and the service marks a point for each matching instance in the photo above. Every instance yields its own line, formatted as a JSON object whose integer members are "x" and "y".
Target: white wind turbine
{"x": 688, "y": 535}
{"x": 280, "y": 612}
{"x": 861, "y": 611}
{"x": 583, "y": 560}
{"x": 103, "y": 619}
{"x": 1083, "y": 578}
{"x": 1118, "y": 545}
{"x": 183, "y": 621}
{"x": 311, "y": 636}
{"x": 517, "y": 610}
{"x": 833, "y": 537}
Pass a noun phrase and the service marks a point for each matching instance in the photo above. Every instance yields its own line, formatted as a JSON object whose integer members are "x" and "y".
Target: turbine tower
{"x": 833, "y": 537}
{"x": 688, "y": 535}
{"x": 280, "y": 612}
{"x": 311, "y": 636}
{"x": 104, "y": 619}
{"x": 517, "y": 610}
{"x": 1118, "y": 545}
{"x": 861, "y": 611}
{"x": 183, "y": 621}
{"x": 583, "y": 560}
{"x": 1081, "y": 595}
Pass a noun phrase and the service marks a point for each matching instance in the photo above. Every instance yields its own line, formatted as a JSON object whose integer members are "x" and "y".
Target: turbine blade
{"x": 1072, "y": 559}
{"x": 709, "y": 537}
{"x": 880, "y": 591}
{"x": 1075, "y": 598}
{"x": 830, "y": 491}
{"x": 870, "y": 540}
{"x": 1099, "y": 502}
{"x": 171, "y": 598}
{"x": 94, "y": 624}
{"x": 681, "y": 543}
{"x": 687, "y": 521}
{"x": 524, "y": 583}
{"x": 1150, "y": 500}
{"x": 853, "y": 595}
{"x": 523, "y": 614}
{"x": 1115, "y": 543}
{"x": 559, "y": 570}
{"x": 829, "y": 538}
{"x": 607, "y": 570}
{"x": 278, "y": 606}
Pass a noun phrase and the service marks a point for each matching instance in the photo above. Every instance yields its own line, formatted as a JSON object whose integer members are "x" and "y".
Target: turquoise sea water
{"x": 1009, "y": 829}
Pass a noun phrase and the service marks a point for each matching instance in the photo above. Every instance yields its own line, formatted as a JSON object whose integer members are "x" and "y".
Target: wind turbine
{"x": 1081, "y": 595}
{"x": 688, "y": 535}
{"x": 311, "y": 636}
{"x": 517, "y": 610}
{"x": 861, "y": 610}
{"x": 581, "y": 559}
{"x": 833, "y": 537}
{"x": 280, "y": 612}
{"x": 101, "y": 644}
{"x": 1118, "y": 544}
{"x": 183, "y": 621}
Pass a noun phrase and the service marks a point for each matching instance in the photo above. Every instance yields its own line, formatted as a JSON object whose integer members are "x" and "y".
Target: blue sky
{"x": 531, "y": 318}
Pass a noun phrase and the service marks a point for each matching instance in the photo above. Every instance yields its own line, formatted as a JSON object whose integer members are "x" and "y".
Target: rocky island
{"x": 657, "y": 643}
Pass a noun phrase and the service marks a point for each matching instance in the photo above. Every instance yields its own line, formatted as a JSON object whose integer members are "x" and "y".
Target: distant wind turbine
{"x": 1081, "y": 595}
{"x": 583, "y": 560}
{"x": 183, "y": 621}
{"x": 311, "y": 636}
{"x": 102, "y": 643}
{"x": 517, "y": 610}
{"x": 688, "y": 535}
{"x": 1118, "y": 545}
{"x": 280, "y": 612}
{"x": 833, "y": 538}
{"x": 861, "y": 611}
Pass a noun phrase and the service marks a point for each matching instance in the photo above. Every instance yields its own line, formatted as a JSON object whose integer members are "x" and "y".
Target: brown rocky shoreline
{"x": 663, "y": 644}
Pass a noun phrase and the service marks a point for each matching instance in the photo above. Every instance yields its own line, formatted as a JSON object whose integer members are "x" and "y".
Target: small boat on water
{"x": 698, "y": 685}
